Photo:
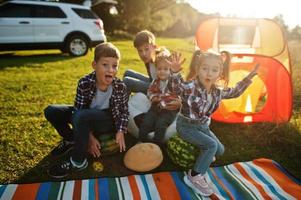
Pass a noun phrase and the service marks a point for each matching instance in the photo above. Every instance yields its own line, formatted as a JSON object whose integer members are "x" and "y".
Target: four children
{"x": 101, "y": 105}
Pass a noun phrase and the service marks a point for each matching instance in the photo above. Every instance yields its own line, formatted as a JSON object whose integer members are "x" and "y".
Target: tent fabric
{"x": 257, "y": 179}
{"x": 252, "y": 41}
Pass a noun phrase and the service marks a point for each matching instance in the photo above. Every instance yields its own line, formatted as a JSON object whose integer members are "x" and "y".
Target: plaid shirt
{"x": 86, "y": 90}
{"x": 154, "y": 89}
{"x": 197, "y": 104}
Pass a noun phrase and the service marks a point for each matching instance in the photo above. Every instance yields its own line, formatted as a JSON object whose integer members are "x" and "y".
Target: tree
{"x": 279, "y": 19}
{"x": 295, "y": 34}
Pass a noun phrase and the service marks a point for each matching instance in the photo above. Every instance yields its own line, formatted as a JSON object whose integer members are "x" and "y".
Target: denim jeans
{"x": 136, "y": 82}
{"x": 201, "y": 136}
{"x": 156, "y": 120}
{"x": 83, "y": 121}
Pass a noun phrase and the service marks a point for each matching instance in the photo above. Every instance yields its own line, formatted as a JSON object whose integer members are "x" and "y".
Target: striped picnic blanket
{"x": 257, "y": 179}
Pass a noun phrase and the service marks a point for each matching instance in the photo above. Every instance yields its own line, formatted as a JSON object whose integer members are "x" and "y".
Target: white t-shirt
{"x": 152, "y": 71}
{"x": 101, "y": 99}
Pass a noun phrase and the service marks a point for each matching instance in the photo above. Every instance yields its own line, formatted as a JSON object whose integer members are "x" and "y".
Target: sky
{"x": 289, "y": 9}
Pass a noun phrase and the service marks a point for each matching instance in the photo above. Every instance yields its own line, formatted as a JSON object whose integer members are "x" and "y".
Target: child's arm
{"x": 80, "y": 97}
{"x": 122, "y": 116}
{"x": 241, "y": 86}
{"x": 253, "y": 72}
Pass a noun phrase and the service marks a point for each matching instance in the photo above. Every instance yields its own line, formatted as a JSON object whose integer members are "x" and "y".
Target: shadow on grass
{"x": 13, "y": 60}
{"x": 113, "y": 167}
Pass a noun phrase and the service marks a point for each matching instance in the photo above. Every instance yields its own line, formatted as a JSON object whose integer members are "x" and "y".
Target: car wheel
{"x": 77, "y": 45}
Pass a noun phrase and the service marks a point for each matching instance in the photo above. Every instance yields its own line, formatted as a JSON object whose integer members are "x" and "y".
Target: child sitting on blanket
{"x": 160, "y": 93}
{"x": 101, "y": 105}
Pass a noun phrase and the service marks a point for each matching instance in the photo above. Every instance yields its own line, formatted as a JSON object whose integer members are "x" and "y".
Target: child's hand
{"x": 254, "y": 71}
{"x": 94, "y": 146}
{"x": 120, "y": 141}
{"x": 176, "y": 62}
{"x": 175, "y": 104}
{"x": 155, "y": 99}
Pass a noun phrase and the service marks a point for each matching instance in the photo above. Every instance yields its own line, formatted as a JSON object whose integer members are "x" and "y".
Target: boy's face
{"x": 106, "y": 69}
{"x": 146, "y": 52}
{"x": 163, "y": 70}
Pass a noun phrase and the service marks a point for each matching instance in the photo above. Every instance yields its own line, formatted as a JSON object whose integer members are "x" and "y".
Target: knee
{"x": 126, "y": 73}
{"x": 78, "y": 117}
{"x": 220, "y": 150}
{"x": 212, "y": 145}
{"x": 50, "y": 112}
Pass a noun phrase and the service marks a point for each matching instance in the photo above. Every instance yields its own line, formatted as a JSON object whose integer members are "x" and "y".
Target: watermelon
{"x": 108, "y": 144}
{"x": 182, "y": 153}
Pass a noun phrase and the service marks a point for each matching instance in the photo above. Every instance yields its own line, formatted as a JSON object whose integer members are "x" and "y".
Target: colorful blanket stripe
{"x": 257, "y": 179}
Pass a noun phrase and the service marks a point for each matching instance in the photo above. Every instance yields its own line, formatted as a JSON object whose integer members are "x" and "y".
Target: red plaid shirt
{"x": 155, "y": 91}
{"x": 86, "y": 90}
{"x": 198, "y": 104}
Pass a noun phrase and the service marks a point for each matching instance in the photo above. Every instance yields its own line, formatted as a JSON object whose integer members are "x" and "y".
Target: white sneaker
{"x": 198, "y": 183}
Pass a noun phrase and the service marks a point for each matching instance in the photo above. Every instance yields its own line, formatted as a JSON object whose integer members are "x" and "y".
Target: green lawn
{"x": 31, "y": 80}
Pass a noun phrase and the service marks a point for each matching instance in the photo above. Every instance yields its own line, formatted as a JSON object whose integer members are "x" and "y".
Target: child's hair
{"x": 144, "y": 37}
{"x": 106, "y": 49}
{"x": 162, "y": 54}
{"x": 198, "y": 58}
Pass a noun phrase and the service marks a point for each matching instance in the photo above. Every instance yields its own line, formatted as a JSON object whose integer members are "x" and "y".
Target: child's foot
{"x": 66, "y": 167}
{"x": 198, "y": 183}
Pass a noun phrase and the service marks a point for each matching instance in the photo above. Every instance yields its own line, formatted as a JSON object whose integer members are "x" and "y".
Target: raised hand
{"x": 176, "y": 62}
{"x": 254, "y": 71}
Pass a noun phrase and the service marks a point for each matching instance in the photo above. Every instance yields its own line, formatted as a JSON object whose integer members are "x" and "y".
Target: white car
{"x": 26, "y": 25}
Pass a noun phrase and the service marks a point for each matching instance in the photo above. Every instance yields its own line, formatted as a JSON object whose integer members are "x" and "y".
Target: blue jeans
{"x": 156, "y": 120}
{"x": 83, "y": 121}
{"x": 201, "y": 136}
{"x": 136, "y": 82}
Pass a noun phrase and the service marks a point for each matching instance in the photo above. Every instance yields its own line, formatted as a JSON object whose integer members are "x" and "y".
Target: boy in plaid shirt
{"x": 101, "y": 105}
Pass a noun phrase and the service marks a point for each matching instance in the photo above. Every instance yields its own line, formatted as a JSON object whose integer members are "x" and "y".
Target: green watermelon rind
{"x": 181, "y": 152}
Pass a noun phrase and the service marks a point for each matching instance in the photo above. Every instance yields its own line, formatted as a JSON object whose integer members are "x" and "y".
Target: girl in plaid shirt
{"x": 200, "y": 98}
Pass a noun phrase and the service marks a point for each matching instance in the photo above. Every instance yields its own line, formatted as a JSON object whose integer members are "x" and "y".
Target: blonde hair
{"x": 198, "y": 58}
{"x": 162, "y": 54}
{"x": 144, "y": 37}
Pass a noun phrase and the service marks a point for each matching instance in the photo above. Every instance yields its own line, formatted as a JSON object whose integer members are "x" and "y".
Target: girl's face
{"x": 106, "y": 69}
{"x": 209, "y": 72}
{"x": 146, "y": 52}
{"x": 163, "y": 70}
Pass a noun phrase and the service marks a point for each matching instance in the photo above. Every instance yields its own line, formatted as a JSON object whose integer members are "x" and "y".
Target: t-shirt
{"x": 101, "y": 99}
{"x": 163, "y": 85}
{"x": 152, "y": 71}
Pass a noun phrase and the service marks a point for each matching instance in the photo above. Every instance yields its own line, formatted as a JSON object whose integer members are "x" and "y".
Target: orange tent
{"x": 252, "y": 41}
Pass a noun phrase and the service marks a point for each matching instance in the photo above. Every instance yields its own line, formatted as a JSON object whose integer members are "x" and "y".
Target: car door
{"x": 15, "y": 23}
{"x": 49, "y": 24}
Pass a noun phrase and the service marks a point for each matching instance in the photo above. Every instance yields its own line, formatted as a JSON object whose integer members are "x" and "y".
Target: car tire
{"x": 77, "y": 45}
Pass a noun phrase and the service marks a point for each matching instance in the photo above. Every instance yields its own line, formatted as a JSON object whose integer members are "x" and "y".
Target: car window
{"x": 84, "y": 13}
{"x": 15, "y": 10}
{"x": 41, "y": 11}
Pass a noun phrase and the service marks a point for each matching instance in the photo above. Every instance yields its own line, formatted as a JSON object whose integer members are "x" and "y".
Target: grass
{"x": 31, "y": 80}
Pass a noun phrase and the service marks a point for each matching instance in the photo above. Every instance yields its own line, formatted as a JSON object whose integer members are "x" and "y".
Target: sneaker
{"x": 63, "y": 148}
{"x": 198, "y": 183}
{"x": 66, "y": 167}
{"x": 213, "y": 159}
